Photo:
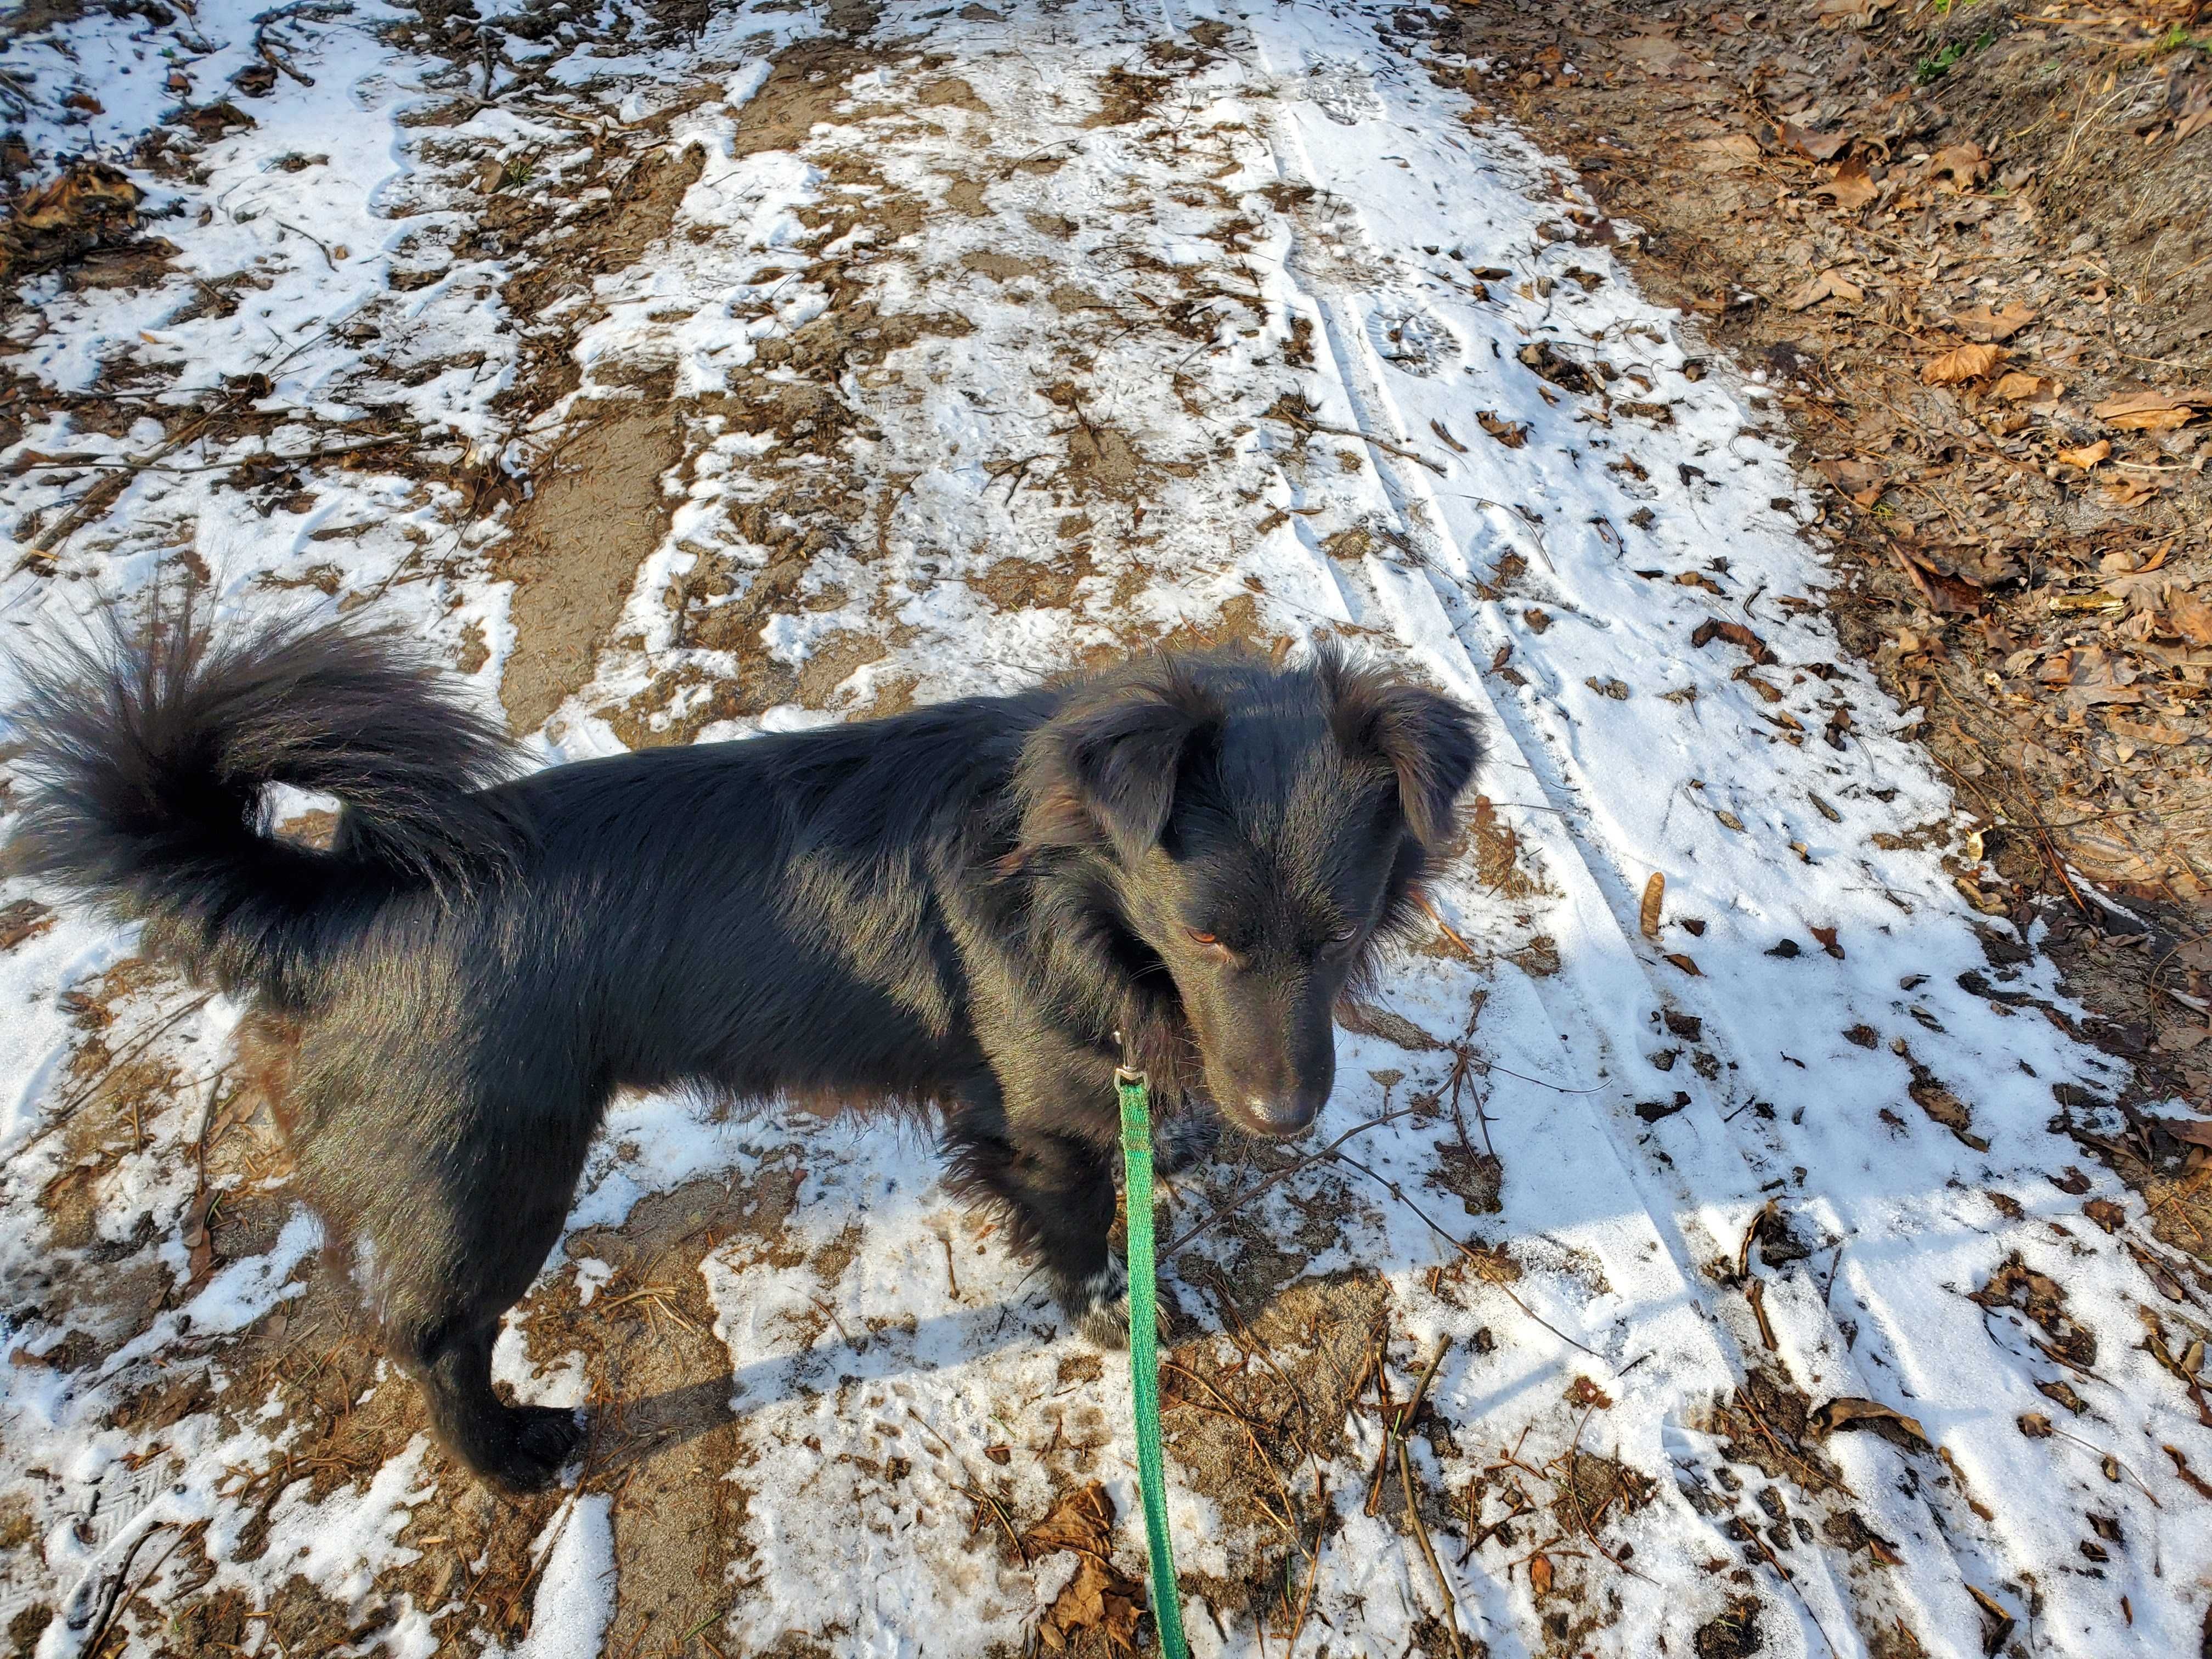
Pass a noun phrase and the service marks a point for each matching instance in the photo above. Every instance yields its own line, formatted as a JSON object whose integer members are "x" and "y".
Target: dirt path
{"x": 720, "y": 374}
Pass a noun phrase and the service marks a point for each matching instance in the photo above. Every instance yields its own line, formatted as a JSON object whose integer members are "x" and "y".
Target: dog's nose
{"x": 1284, "y": 1116}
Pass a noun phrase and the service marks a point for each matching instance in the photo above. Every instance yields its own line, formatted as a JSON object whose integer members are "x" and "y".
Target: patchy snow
{"x": 1221, "y": 321}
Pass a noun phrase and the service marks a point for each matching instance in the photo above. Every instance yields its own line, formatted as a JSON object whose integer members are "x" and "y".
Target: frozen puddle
{"x": 990, "y": 344}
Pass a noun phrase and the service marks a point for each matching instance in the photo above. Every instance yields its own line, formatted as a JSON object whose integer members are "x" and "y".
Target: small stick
{"x": 1481, "y": 1265}
{"x": 1428, "y": 1550}
{"x": 1176, "y": 1245}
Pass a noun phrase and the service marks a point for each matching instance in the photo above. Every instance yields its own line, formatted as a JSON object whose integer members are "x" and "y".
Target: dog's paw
{"x": 1098, "y": 1307}
{"x": 536, "y": 1443}
{"x": 1185, "y": 1138}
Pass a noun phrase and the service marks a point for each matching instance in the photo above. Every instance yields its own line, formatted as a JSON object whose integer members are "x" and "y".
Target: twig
{"x": 1471, "y": 1253}
{"x": 1170, "y": 1249}
{"x": 115, "y": 1600}
{"x": 1428, "y": 1550}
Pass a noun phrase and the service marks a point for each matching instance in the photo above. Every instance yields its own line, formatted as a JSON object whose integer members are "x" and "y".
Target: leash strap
{"x": 1144, "y": 1355}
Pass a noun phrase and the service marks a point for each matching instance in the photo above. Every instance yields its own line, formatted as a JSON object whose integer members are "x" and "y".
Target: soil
{"x": 597, "y": 511}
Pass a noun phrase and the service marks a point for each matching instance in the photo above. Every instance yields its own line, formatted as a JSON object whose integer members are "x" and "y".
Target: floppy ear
{"x": 1430, "y": 742}
{"x": 1109, "y": 761}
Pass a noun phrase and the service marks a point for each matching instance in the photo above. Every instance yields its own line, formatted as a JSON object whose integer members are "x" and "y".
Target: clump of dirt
{"x": 1127, "y": 97}
{"x": 1767, "y": 1424}
{"x": 1732, "y": 1633}
{"x": 1245, "y": 1415}
{"x": 88, "y": 212}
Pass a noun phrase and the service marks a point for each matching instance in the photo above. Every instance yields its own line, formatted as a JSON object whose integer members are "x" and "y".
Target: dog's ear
{"x": 1429, "y": 741}
{"x": 1109, "y": 763}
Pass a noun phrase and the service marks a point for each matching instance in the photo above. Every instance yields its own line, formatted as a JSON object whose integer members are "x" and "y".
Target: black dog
{"x": 961, "y": 906}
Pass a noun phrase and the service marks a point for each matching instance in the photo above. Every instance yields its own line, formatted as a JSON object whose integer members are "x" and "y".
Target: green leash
{"x": 1144, "y": 1355}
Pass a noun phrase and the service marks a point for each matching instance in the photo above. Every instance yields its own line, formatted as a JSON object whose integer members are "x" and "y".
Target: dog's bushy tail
{"x": 149, "y": 751}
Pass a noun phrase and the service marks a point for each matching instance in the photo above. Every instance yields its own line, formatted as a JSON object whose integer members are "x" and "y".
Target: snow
{"x": 1311, "y": 186}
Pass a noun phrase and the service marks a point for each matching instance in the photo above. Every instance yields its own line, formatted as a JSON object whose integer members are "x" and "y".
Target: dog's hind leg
{"x": 454, "y": 1195}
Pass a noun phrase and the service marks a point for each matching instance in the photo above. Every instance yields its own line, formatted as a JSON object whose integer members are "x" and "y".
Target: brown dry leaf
{"x": 24, "y": 919}
{"x": 1511, "y": 433}
{"x": 1685, "y": 963}
{"x": 1097, "y": 1598}
{"x": 2017, "y": 387}
{"x": 1961, "y": 166}
{"x": 2091, "y": 675}
{"x": 1540, "y": 1574}
{"x": 1655, "y": 896}
{"x": 2196, "y": 1132}
{"x": 2088, "y": 455}
{"x": 1826, "y": 286}
{"x": 1736, "y": 634}
{"x": 1656, "y": 55}
{"x": 2189, "y": 616}
{"x": 88, "y": 190}
{"x": 1981, "y": 323}
{"x": 1584, "y": 1392}
{"x": 1814, "y": 145}
{"x": 1737, "y": 150}
{"x": 1966, "y": 362}
{"x": 2196, "y": 1482}
{"x": 2106, "y": 1214}
{"x": 2035, "y": 1425}
{"x": 2146, "y": 734}
{"x": 1083, "y": 1521}
{"x": 2140, "y": 589}
{"x": 1827, "y": 937}
{"x": 1860, "y": 479}
{"x": 1851, "y": 188}
{"x": 1847, "y": 1412}
{"x": 1729, "y": 820}
{"x": 2154, "y": 411}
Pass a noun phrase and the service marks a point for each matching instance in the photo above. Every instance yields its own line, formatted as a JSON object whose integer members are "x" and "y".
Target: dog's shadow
{"x": 672, "y": 1417}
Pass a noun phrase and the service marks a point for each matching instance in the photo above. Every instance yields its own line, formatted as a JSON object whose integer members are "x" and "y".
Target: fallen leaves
{"x": 1961, "y": 364}
{"x": 1959, "y": 166}
{"x": 1099, "y": 1597}
{"x": 2014, "y": 1285}
{"x": 2087, "y": 455}
{"x": 1812, "y": 143}
{"x": 2155, "y": 411}
{"x": 1729, "y": 154}
{"x": 1849, "y": 1412}
{"x": 1981, "y": 323}
{"x": 1828, "y": 285}
{"x": 1096, "y": 1599}
{"x": 1851, "y": 187}
{"x": 2014, "y": 387}
{"x": 1736, "y": 634}
{"x": 1511, "y": 433}
{"x": 1655, "y": 896}
{"x": 88, "y": 205}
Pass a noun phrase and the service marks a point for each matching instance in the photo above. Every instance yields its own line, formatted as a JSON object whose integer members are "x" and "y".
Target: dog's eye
{"x": 1198, "y": 938}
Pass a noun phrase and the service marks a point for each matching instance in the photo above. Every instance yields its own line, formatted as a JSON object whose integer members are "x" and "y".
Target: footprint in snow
{"x": 1343, "y": 91}
{"x": 1410, "y": 337}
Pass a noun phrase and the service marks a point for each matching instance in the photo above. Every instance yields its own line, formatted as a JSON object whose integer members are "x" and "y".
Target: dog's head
{"x": 1259, "y": 828}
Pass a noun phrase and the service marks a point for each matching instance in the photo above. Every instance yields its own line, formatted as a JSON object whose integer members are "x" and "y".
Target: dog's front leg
{"x": 1042, "y": 1152}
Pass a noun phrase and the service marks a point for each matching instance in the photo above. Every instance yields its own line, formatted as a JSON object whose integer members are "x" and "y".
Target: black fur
{"x": 963, "y": 906}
